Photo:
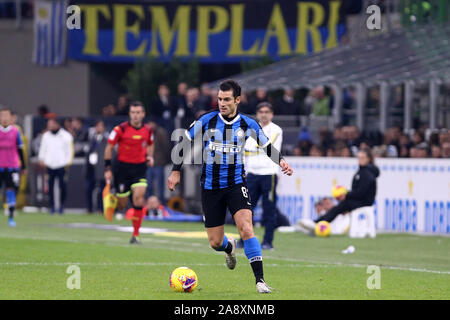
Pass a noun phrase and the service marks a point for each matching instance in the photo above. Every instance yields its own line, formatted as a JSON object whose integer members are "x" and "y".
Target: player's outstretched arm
{"x": 277, "y": 158}
{"x": 285, "y": 167}
{"x": 173, "y": 180}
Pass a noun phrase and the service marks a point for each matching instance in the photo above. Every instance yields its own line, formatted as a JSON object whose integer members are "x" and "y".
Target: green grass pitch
{"x": 35, "y": 255}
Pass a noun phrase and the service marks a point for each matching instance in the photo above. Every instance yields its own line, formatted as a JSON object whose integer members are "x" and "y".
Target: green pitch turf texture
{"x": 35, "y": 255}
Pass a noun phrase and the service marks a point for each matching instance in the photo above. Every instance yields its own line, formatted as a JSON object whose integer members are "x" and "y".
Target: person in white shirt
{"x": 55, "y": 154}
{"x": 262, "y": 172}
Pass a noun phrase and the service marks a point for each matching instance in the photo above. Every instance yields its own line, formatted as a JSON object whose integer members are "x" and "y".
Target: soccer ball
{"x": 323, "y": 229}
{"x": 338, "y": 191}
{"x": 183, "y": 279}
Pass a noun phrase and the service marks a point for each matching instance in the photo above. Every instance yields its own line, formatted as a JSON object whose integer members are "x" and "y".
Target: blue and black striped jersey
{"x": 223, "y": 147}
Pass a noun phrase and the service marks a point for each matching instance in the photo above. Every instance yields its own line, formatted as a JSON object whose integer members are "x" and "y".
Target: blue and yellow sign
{"x": 212, "y": 31}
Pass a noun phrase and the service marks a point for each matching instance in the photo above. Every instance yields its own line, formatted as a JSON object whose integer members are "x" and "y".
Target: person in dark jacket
{"x": 362, "y": 194}
{"x": 98, "y": 138}
{"x": 164, "y": 105}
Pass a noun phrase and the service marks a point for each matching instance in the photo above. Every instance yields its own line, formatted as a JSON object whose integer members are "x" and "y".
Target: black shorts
{"x": 216, "y": 202}
{"x": 129, "y": 175}
{"x": 10, "y": 178}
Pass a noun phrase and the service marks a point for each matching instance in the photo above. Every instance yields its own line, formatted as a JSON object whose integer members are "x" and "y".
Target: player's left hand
{"x": 285, "y": 168}
{"x": 150, "y": 161}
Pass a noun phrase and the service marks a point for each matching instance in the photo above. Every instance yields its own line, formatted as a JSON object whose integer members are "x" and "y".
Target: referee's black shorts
{"x": 129, "y": 175}
{"x": 216, "y": 202}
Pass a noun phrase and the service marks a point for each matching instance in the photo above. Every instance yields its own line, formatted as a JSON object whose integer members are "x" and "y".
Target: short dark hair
{"x": 368, "y": 153}
{"x": 3, "y": 108}
{"x": 137, "y": 104}
{"x": 264, "y": 104}
{"x": 98, "y": 121}
{"x": 43, "y": 109}
{"x": 228, "y": 85}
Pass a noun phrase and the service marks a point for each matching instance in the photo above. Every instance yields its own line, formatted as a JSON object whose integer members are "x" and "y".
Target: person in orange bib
{"x": 134, "y": 154}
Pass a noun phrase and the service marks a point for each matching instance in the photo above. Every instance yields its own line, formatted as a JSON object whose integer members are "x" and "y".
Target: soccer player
{"x": 363, "y": 192}
{"x": 11, "y": 160}
{"x": 135, "y": 153}
{"x": 262, "y": 173}
{"x": 222, "y": 134}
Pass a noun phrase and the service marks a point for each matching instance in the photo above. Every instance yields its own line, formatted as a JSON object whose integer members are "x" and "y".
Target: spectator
{"x": 422, "y": 150}
{"x": 373, "y": 137}
{"x": 321, "y": 106}
{"x": 181, "y": 94}
{"x": 353, "y": 139}
{"x": 122, "y": 105}
{"x": 379, "y": 151}
{"x": 404, "y": 151}
{"x": 154, "y": 208}
{"x": 413, "y": 152}
{"x": 68, "y": 126}
{"x": 418, "y": 137}
{"x": 287, "y": 105}
{"x": 214, "y": 98}
{"x": 304, "y": 141}
{"x": 109, "y": 110}
{"x": 260, "y": 96}
{"x": 298, "y": 151}
{"x": 204, "y": 99}
{"x": 95, "y": 180}
{"x": 419, "y": 151}
{"x": 446, "y": 150}
{"x": 364, "y": 145}
{"x": 161, "y": 155}
{"x": 164, "y": 106}
{"x": 434, "y": 138}
{"x": 338, "y": 135}
{"x": 244, "y": 104}
{"x": 345, "y": 152}
{"x": 404, "y": 145}
{"x": 80, "y": 137}
{"x": 444, "y": 136}
{"x": 36, "y": 142}
{"x": 392, "y": 142}
{"x": 373, "y": 98}
{"x": 55, "y": 153}
{"x": 43, "y": 111}
{"x": 404, "y": 140}
{"x": 315, "y": 151}
{"x": 331, "y": 152}
{"x": 436, "y": 151}
{"x": 192, "y": 106}
{"x": 325, "y": 138}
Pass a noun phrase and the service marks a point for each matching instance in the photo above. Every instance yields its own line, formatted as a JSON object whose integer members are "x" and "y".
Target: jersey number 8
{"x": 244, "y": 192}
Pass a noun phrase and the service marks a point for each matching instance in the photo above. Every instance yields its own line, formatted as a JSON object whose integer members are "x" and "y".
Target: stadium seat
{"x": 362, "y": 223}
